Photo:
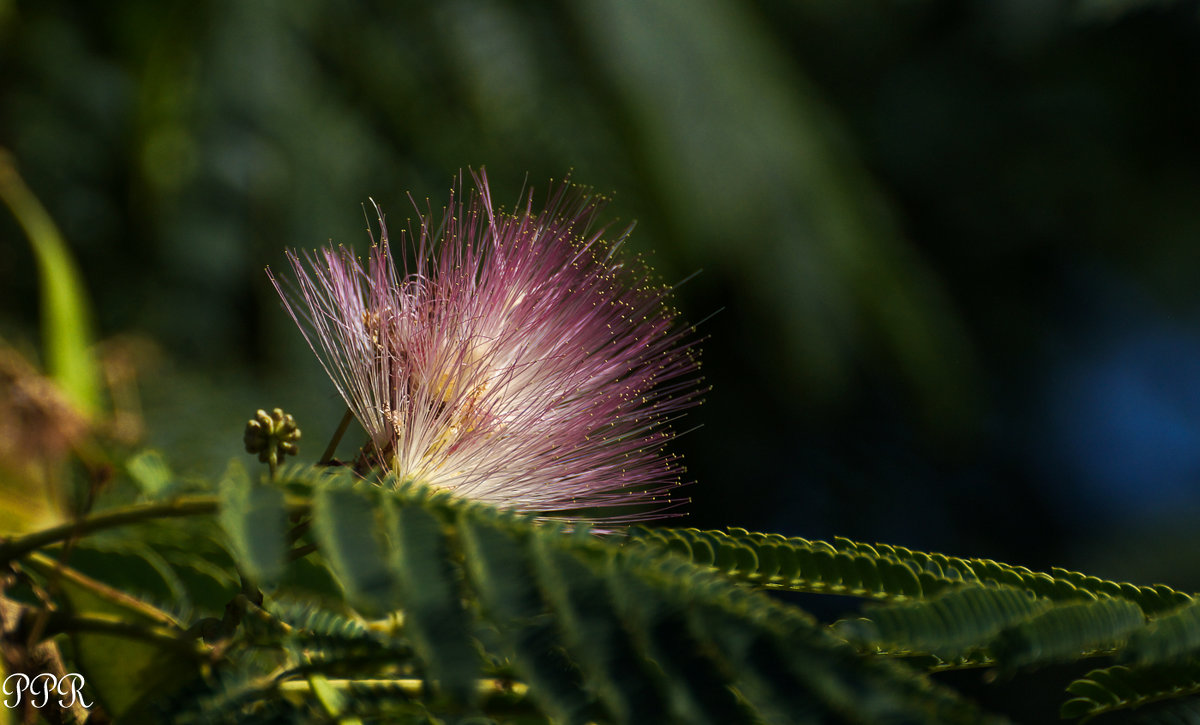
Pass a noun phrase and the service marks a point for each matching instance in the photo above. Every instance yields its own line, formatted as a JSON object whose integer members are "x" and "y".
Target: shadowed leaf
{"x": 434, "y": 613}
{"x": 344, "y": 521}
{"x": 253, "y": 516}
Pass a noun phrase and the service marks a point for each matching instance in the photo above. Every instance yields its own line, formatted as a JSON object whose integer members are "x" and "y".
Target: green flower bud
{"x": 272, "y": 436}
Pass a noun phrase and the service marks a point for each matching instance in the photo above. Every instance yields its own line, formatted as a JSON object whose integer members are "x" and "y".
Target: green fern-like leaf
{"x": 344, "y": 520}
{"x": 948, "y": 626}
{"x": 497, "y": 556}
{"x": 984, "y": 623}
{"x": 1066, "y": 631}
{"x": 626, "y": 681}
{"x": 788, "y": 667}
{"x": 430, "y": 595}
{"x": 785, "y": 664}
{"x": 698, "y": 692}
{"x": 649, "y": 635}
{"x": 1121, "y": 687}
{"x": 328, "y": 636}
{"x": 1170, "y": 637}
{"x": 235, "y": 696}
{"x": 792, "y": 563}
{"x": 881, "y": 571}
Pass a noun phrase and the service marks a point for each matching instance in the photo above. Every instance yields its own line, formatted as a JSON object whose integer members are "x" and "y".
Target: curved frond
{"x": 327, "y": 635}
{"x": 1067, "y": 631}
{"x": 795, "y": 564}
{"x": 627, "y": 682}
{"x": 881, "y": 571}
{"x": 428, "y": 588}
{"x": 1185, "y": 711}
{"x": 598, "y": 631}
{"x": 787, "y": 665}
{"x": 501, "y": 569}
{"x": 947, "y": 626}
{"x": 1170, "y": 637}
{"x": 1121, "y": 688}
{"x": 983, "y": 623}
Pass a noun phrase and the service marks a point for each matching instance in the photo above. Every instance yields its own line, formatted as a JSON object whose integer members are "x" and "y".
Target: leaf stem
{"x": 301, "y": 552}
{"x": 177, "y": 508}
{"x": 327, "y": 456}
{"x": 177, "y": 640}
{"x": 413, "y": 686}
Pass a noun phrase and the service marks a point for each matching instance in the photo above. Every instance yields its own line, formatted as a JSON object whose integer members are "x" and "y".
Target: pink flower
{"x": 520, "y": 360}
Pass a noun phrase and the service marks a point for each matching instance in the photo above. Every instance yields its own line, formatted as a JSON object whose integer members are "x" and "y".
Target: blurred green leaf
{"x": 503, "y": 577}
{"x": 331, "y": 700}
{"x": 345, "y": 526}
{"x": 432, "y": 601}
{"x": 149, "y": 470}
{"x": 27, "y": 501}
{"x": 66, "y": 326}
{"x": 253, "y": 516}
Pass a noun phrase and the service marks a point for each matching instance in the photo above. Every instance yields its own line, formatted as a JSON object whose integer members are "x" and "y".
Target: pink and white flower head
{"x": 519, "y": 360}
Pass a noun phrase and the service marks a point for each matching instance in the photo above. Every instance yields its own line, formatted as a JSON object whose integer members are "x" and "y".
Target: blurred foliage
{"x": 230, "y": 131}
{"x": 914, "y": 219}
{"x": 66, "y": 326}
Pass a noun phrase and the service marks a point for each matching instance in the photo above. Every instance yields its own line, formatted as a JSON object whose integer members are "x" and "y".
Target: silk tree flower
{"x": 519, "y": 359}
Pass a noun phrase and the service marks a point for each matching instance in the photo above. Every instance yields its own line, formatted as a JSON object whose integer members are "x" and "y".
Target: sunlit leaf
{"x": 149, "y": 470}
{"x": 27, "y": 501}
{"x": 66, "y": 323}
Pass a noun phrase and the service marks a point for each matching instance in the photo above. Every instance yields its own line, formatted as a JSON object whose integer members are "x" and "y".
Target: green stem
{"x": 301, "y": 552}
{"x": 412, "y": 686}
{"x": 194, "y": 506}
{"x": 300, "y": 529}
{"x": 327, "y": 456}
{"x": 102, "y": 624}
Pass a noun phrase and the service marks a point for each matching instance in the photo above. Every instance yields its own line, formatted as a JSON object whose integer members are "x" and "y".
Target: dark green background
{"x": 951, "y": 247}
